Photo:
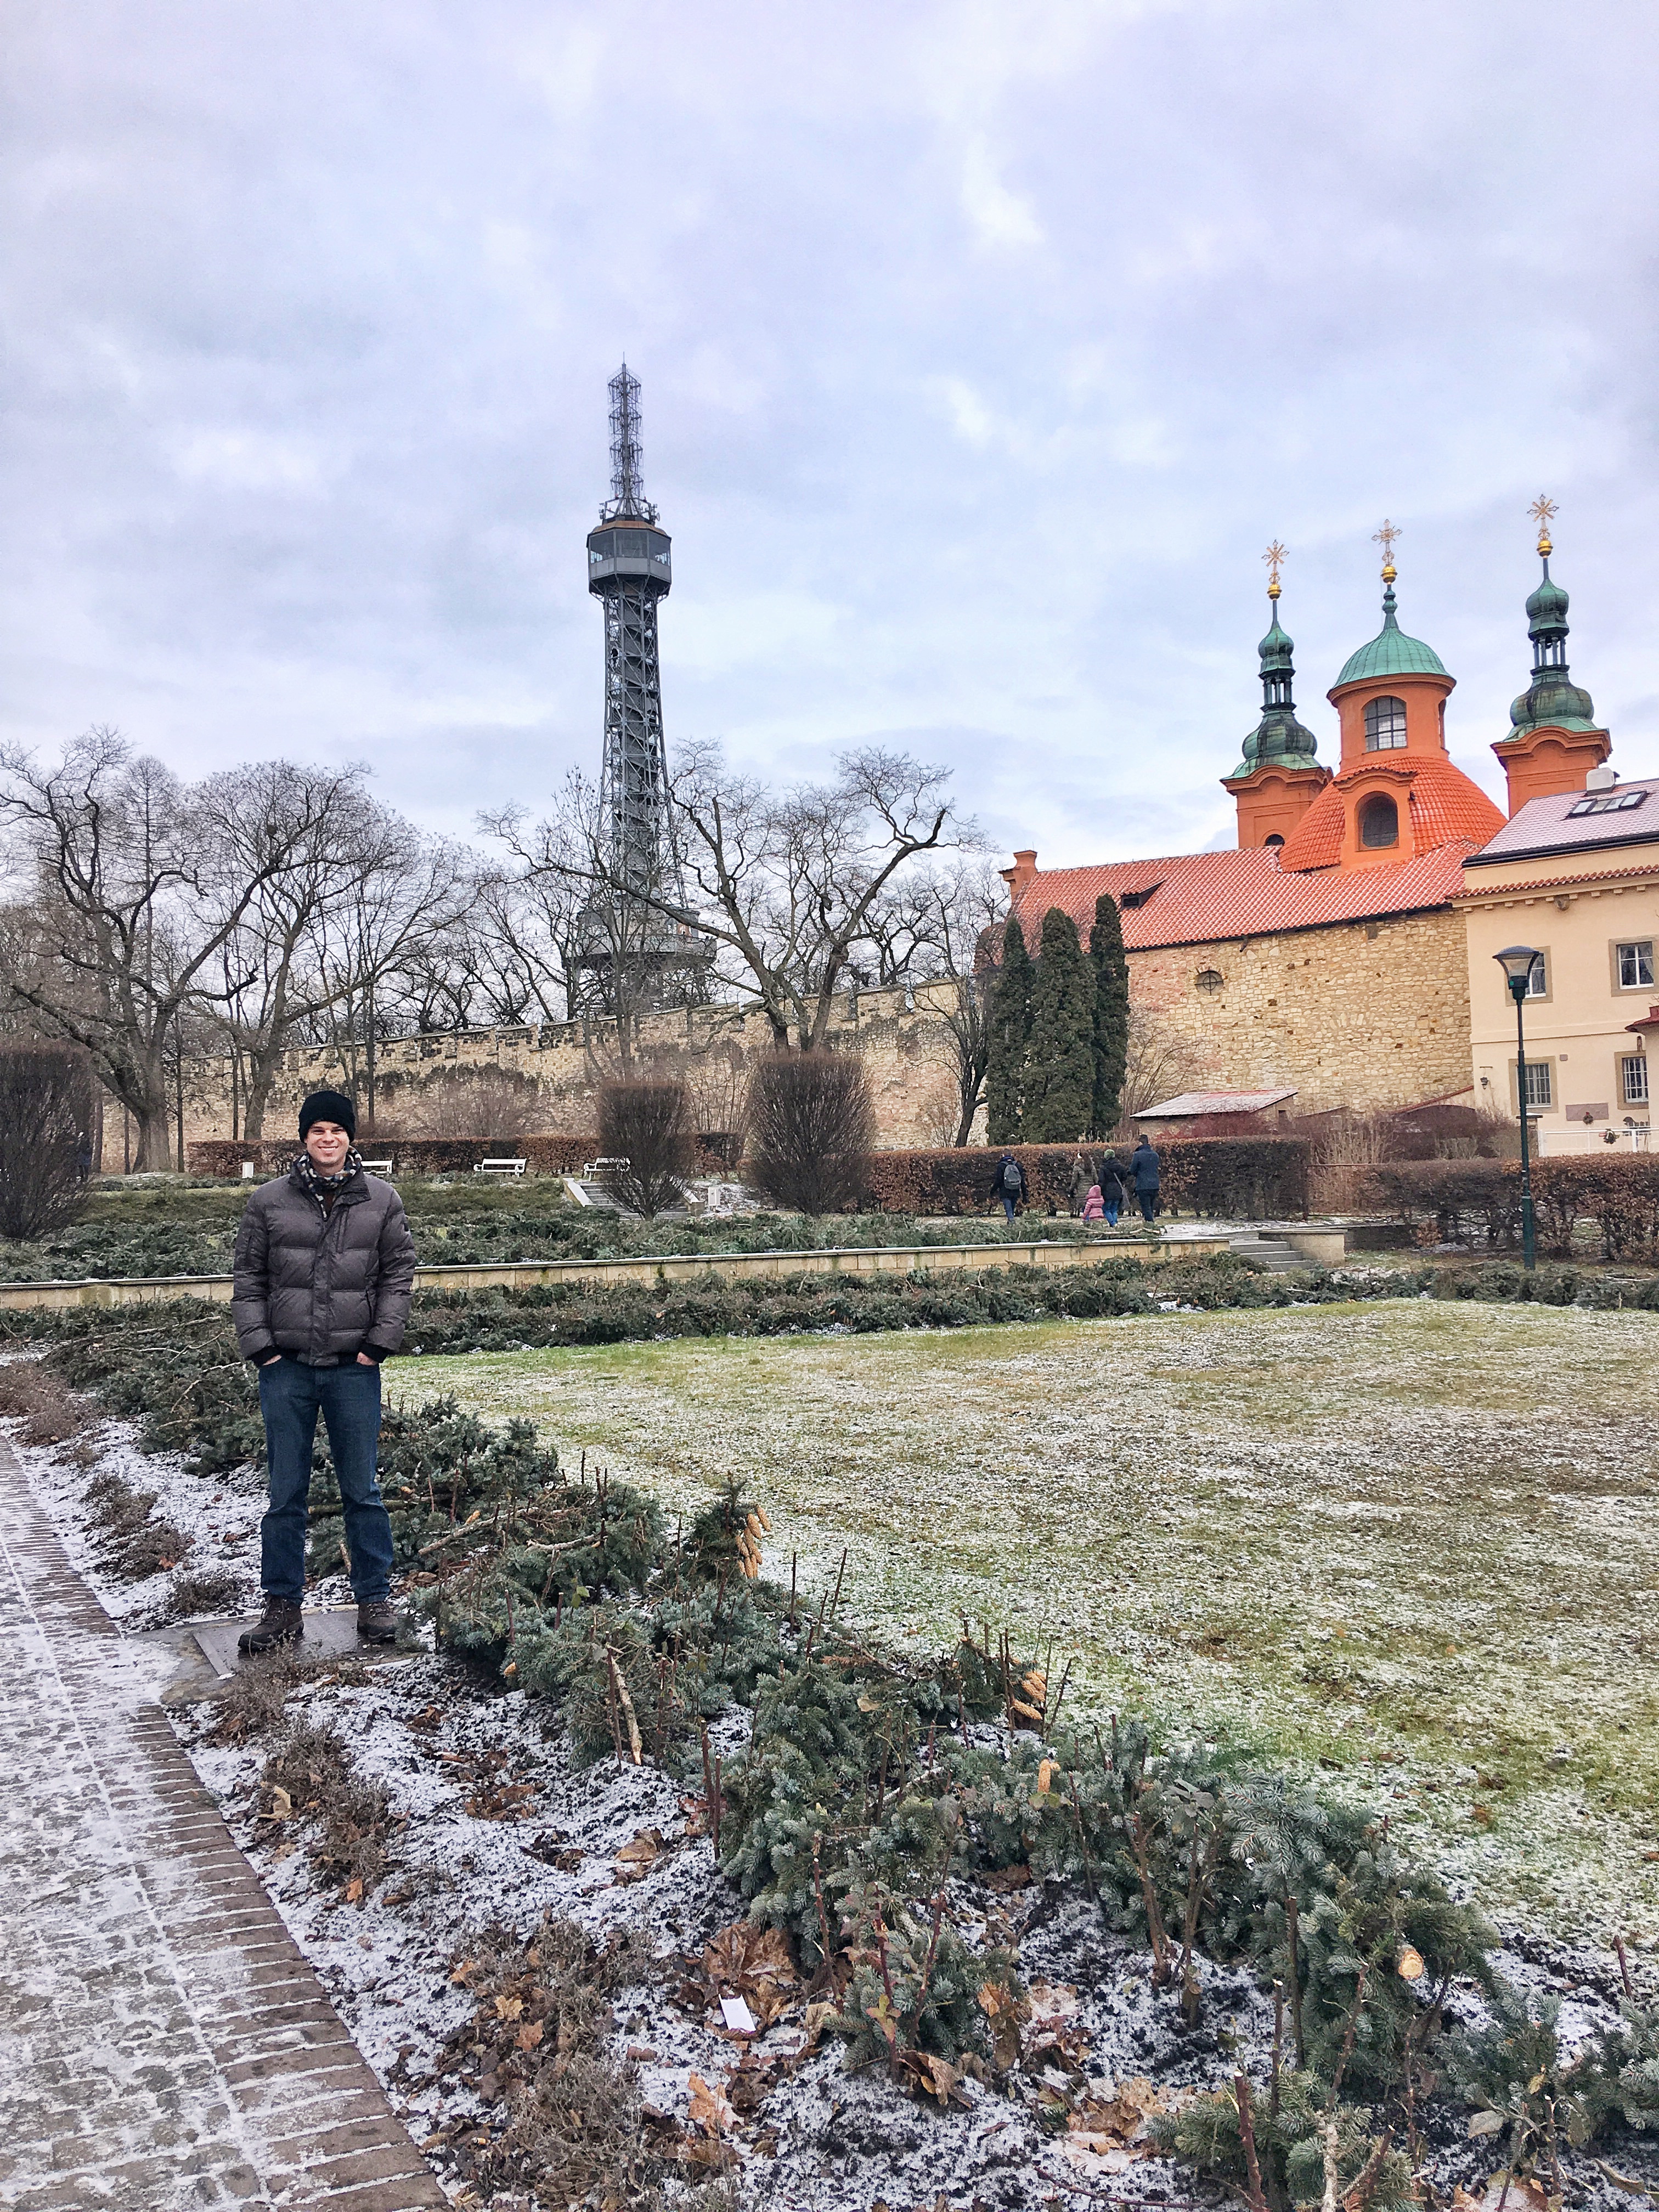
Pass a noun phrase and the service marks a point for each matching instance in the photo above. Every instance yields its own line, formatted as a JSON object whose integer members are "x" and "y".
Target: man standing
{"x": 323, "y": 1270}
{"x": 1144, "y": 1167}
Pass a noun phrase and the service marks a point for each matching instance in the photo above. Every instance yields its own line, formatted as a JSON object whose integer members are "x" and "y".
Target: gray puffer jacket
{"x": 322, "y": 1290}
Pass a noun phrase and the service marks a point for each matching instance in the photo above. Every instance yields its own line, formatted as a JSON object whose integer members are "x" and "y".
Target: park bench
{"x": 501, "y": 1167}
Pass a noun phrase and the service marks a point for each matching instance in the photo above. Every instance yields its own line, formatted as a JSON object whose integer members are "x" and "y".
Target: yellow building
{"x": 1575, "y": 875}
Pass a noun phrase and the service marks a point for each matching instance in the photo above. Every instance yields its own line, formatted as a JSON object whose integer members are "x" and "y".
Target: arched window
{"x": 1273, "y": 841}
{"x": 1385, "y": 725}
{"x": 1379, "y": 821}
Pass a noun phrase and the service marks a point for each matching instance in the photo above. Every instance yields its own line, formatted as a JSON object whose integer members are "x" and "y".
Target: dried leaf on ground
{"x": 635, "y": 1859}
{"x": 924, "y": 2073}
{"x": 753, "y": 1963}
{"x": 1054, "y": 2033}
{"x": 1113, "y": 2128}
{"x": 709, "y": 2109}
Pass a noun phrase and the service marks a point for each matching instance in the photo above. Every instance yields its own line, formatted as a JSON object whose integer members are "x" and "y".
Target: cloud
{"x": 984, "y": 346}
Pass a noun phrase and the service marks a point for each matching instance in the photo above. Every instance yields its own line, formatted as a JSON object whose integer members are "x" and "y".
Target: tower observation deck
{"x": 629, "y": 569}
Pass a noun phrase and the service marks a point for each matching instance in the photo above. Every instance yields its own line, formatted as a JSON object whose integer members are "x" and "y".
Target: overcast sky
{"x": 983, "y": 347}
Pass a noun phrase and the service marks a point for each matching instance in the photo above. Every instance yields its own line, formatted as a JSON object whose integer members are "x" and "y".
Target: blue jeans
{"x": 1008, "y": 1206}
{"x": 291, "y": 1395}
{"x": 1110, "y": 1204}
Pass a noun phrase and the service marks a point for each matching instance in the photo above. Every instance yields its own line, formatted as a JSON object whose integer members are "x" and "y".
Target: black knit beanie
{"x": 328, "y": 1106}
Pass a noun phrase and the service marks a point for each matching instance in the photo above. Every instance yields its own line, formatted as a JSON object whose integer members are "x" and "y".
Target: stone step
{"x": 1272, "y": 1253}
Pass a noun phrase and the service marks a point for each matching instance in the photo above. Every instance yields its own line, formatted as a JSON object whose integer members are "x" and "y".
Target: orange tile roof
{"x": 1203, "y": 898}
{"x": 1481, "y": 888}
{"x": 1444, "y": 803}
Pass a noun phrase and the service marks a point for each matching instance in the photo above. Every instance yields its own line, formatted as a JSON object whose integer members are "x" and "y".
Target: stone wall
{"x": 899, "y": 1034}
{"x": 1364, "y": 1014}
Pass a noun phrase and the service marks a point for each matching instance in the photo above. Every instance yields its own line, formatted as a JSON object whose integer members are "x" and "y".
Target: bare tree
{"x": 45, "y": 1117}
{"x": 414, "y": 895}
{"x": 648, "y": 1126}
{"x": 813, "y": 1128}
{"x": 618, "y": 950}
{"x": 127, "y": 907}
{"x": 780, "y": 886}
{"x": 929, "y": 929}
{"x": 336, "y": 840}
{"x": 1161, "y": 1063}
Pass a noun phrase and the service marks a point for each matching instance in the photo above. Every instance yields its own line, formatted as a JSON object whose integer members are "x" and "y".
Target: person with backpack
{"x": 324, "y": 1271}
{"x": 1144, "y": 1167}
{"x": 1110, "y": 1181}
{"x": 1009, "y": 1184}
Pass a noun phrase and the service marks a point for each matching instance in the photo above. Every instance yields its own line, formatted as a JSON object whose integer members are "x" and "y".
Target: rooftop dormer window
{"x": 1606, "y": 802}
{"x": 1385, "y": 724}
{"x": 1379, "y": 819}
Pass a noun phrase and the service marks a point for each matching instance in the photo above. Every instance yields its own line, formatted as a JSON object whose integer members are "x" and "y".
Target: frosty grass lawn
{"x": 1416, "y": 1542}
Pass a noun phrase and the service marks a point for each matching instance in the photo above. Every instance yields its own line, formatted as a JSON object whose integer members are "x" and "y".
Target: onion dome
{"x": 1278, "y": 736}
{"x": 1550, "y": 700}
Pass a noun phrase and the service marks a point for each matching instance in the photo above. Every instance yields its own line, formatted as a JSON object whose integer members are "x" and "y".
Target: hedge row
{"x": 557, "y": 1156}
{"x": 1251, "y": 1178}
{"x": 1479, "y": 1201}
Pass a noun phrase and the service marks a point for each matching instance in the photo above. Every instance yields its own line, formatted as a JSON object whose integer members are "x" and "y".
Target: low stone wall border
{"x": 675, "y": 1267}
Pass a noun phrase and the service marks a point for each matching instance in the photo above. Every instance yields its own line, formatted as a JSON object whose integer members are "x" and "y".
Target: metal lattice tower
{"x": 629, "y": 571}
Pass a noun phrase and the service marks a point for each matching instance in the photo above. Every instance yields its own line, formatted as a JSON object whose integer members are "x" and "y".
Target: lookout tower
{"x": 629, "y": 571}
{"x": 633, "y": 954}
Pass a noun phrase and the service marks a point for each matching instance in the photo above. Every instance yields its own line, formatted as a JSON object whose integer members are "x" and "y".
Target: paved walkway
{"x": 163, "y": 2044}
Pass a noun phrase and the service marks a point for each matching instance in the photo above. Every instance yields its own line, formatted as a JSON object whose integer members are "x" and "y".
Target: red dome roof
{"x": 1445, "y": 806}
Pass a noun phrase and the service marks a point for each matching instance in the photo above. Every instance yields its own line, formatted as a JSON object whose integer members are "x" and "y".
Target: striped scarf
{"x": 326, "y": 1188}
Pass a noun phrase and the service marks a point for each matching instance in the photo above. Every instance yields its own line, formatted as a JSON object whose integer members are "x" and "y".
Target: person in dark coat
{"x": 1144, "y": 1169}
{"x": 1008, "y": 1184}
{"x": 323, "y": 1272}
{"x": 1110, "y": 1177}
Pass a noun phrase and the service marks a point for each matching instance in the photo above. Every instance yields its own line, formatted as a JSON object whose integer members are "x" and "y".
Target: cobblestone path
{"x": 163, "y": 2044}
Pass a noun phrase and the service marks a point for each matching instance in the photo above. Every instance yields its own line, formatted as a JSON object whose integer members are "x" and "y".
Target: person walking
{"x": 323, "y": 1272}
{"x": 1110, "y": 1181}
{"x": 1008, "y": 1184}
{"x": 1094, "y": 1207}
{"x": 83, "y": 1156}
{"x": 1144, "y": 1167}
{"x": 1081, "y": 1181}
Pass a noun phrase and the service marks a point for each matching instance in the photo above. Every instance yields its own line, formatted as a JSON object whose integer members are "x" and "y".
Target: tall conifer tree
{"x": 1010, "y": 1028}
{"x": 1059, "y": 1059}
{"x": 1111, "y": 1038}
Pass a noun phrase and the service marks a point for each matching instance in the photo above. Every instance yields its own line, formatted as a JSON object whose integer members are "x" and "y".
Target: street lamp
{"x": 1516, "y": 963}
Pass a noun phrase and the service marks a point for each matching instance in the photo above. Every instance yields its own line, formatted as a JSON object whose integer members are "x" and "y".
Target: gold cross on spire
{"x": 1541, "y": 511}
{"x": 1274, "y": 557}
{"x": 1385, "y": 538}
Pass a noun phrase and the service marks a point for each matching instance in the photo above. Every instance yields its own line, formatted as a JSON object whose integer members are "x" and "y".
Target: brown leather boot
{"x": 378, "y": 1623}
{"x": 282, "y": 1622}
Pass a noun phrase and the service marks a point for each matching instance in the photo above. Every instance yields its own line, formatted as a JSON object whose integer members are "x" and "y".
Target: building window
{"x": 1635, "y": 964}
{"x": 1634, "y": 1068}
{"x": 1385, "y": 725}
{"x": 1379, "y": 819}
{"x": 1273, "y": 843}
{"x": 1608, "y": 802}
{"x": 1538, "y": 1095}
{"x": 1538, "y": 981}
